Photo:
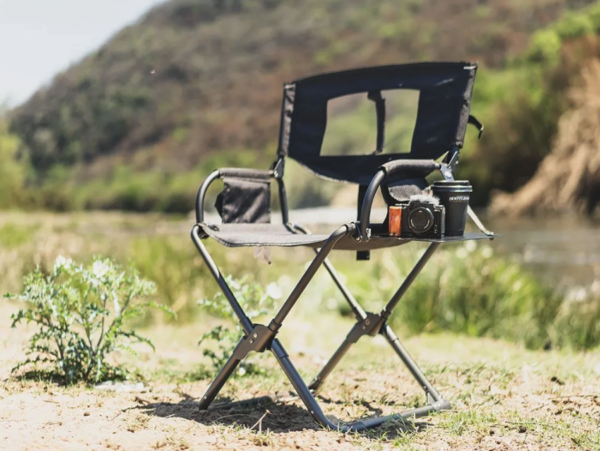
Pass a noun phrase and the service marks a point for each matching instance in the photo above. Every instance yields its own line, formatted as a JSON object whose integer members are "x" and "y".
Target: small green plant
{"x": 470, "y": 289}
{"x": 81, "y": 312}
{"x": 255, "y": 300}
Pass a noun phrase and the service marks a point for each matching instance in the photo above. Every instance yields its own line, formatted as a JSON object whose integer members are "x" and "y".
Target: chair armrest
{"x": 202, "y": 194}
{"x": 245, "y": 173}
{"x": 397, "y": 166}
{"x": 385, "y": 171}
{"x": 221, "y": 173}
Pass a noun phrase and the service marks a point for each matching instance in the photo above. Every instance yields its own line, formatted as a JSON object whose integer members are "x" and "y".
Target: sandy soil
{"x": 504, "y": 398}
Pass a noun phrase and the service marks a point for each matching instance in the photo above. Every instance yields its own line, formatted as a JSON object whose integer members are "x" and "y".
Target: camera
{"x": 418, "y": 217}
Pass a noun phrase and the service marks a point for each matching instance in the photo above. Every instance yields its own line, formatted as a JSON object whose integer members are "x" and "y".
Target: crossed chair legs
{"x": 260, "y": 338}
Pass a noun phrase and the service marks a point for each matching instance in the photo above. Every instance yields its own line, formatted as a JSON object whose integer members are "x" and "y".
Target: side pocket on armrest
{"x": 245, "y": 200}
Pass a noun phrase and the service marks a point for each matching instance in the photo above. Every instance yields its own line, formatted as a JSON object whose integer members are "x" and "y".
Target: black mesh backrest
{"x": 445, "y": 91}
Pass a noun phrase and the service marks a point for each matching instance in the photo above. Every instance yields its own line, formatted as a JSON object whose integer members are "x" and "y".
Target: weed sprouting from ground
{"x": 81, "y": 313}
{"x": 256, "y": 302}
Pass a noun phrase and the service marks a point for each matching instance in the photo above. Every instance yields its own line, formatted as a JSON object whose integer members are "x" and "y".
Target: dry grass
{"x": 504, "y": 398}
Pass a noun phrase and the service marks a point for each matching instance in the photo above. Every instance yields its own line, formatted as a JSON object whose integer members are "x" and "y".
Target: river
{"x": 563, "y": 252}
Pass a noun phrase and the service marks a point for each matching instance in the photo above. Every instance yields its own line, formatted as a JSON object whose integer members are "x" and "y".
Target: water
{"x": 562, "y": 252}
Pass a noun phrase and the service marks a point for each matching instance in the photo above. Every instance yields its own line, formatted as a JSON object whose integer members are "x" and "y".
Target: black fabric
{"x": 272, "y": 235}
{"x": 396, "y": 192}
{"x": 376, "y": 97}
{"x": 443, "y": 112}
{"x": 424, "y": 167}
{"x": 246, "y": 173}
{"x": 405, "y": 178}
{"x": 287, "y": 111}
{"x": 474, "y": 121}
{"x": 358, "y": 169}
{"x": 246, "y": 196}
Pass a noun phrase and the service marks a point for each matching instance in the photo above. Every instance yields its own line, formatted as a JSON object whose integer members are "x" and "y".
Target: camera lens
{"x": 420, "y": 220}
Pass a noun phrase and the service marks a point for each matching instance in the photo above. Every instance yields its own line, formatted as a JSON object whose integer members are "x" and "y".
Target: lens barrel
{"x": 420, "y": 220}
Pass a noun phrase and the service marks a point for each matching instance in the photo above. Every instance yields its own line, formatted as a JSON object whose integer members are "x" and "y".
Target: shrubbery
{"x": 469, "y": 289}
{"x": 466, "y": 289}
{"x": 256, "y": 302}
{"x": 522, "y": 102}
{"x": 138, "y": 96}
{"x": 12, "y": 172}
{"x": 81, "y": 313}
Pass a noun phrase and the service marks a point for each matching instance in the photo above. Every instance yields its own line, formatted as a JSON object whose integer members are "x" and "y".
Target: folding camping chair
{"x": 445, "y": 91}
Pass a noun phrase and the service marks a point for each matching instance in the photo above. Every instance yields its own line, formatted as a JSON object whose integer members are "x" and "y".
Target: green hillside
{"x": 197, "y": 83}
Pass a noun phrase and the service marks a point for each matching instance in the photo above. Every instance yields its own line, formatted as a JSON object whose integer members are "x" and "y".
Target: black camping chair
{"x": 445, "y": 91}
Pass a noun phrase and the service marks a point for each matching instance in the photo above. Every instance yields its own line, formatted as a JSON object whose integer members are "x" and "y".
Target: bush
{"x": 469, "y": 289}
{"x": 574, "y": 25}
{"x": 577, "y": 321}
{"x": 12, "y": 172}
{"x": 544, "y": 46}
{"x": 81, "y": 313}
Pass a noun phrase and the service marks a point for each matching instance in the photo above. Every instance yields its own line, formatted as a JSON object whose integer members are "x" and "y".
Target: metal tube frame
{"x": 259, "y": 338}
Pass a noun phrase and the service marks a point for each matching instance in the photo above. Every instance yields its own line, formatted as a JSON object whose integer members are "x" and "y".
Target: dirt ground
{"x": 504, "y": 398}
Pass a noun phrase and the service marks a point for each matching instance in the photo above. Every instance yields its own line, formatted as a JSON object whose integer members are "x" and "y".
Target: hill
{"x": 137, "y": 122}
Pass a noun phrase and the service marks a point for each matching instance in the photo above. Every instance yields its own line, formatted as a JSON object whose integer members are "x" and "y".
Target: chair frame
{"x": 260, "y": 338}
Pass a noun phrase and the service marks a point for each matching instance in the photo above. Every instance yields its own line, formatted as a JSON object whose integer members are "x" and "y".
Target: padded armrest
{"x": 387, "y": 170}
{"x": 246, "y": 173}
{"x": 421, "y": 166}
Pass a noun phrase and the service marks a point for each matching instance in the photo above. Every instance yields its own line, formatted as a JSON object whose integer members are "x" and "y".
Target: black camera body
{"x": 422, "y": 219}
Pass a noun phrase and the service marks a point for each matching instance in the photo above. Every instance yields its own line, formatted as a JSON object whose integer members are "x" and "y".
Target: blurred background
{"x": 114, "y": 111}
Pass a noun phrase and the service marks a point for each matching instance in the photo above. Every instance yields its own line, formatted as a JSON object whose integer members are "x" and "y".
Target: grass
{"x": 503, "y": 396}
{"x": 465, "y": 289}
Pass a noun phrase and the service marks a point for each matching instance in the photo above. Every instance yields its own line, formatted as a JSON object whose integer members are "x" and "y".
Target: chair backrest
{"x": 445, "y": 91}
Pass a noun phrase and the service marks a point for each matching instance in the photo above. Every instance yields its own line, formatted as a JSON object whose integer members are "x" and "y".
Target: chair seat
{"x": 279, "y": 235}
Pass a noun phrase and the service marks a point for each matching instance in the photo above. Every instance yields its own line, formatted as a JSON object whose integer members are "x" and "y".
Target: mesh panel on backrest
{"x": 445, "y": 91}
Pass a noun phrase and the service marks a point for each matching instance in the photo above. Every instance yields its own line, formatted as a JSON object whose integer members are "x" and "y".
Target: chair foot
{"x": 219, "y": 381}
{"x": 304, "y": 393}
{"x": 372, "y": 325}
{"x": 355, "y": 426}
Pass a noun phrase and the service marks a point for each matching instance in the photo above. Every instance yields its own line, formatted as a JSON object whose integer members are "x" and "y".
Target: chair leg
{"x": 298, "y": 383}
{"x": 358, "y": 311}
{"x": 214, "y": 270}
{"x": 319, "y": 379}
{"x": 219, "y": 381}
{"x": 394, "y": 341}
{"x": 371, "y": 324}
{"x": 435, "y": 402}
{"x": 258, "y": 337}
{"x": 317, "y": 413}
